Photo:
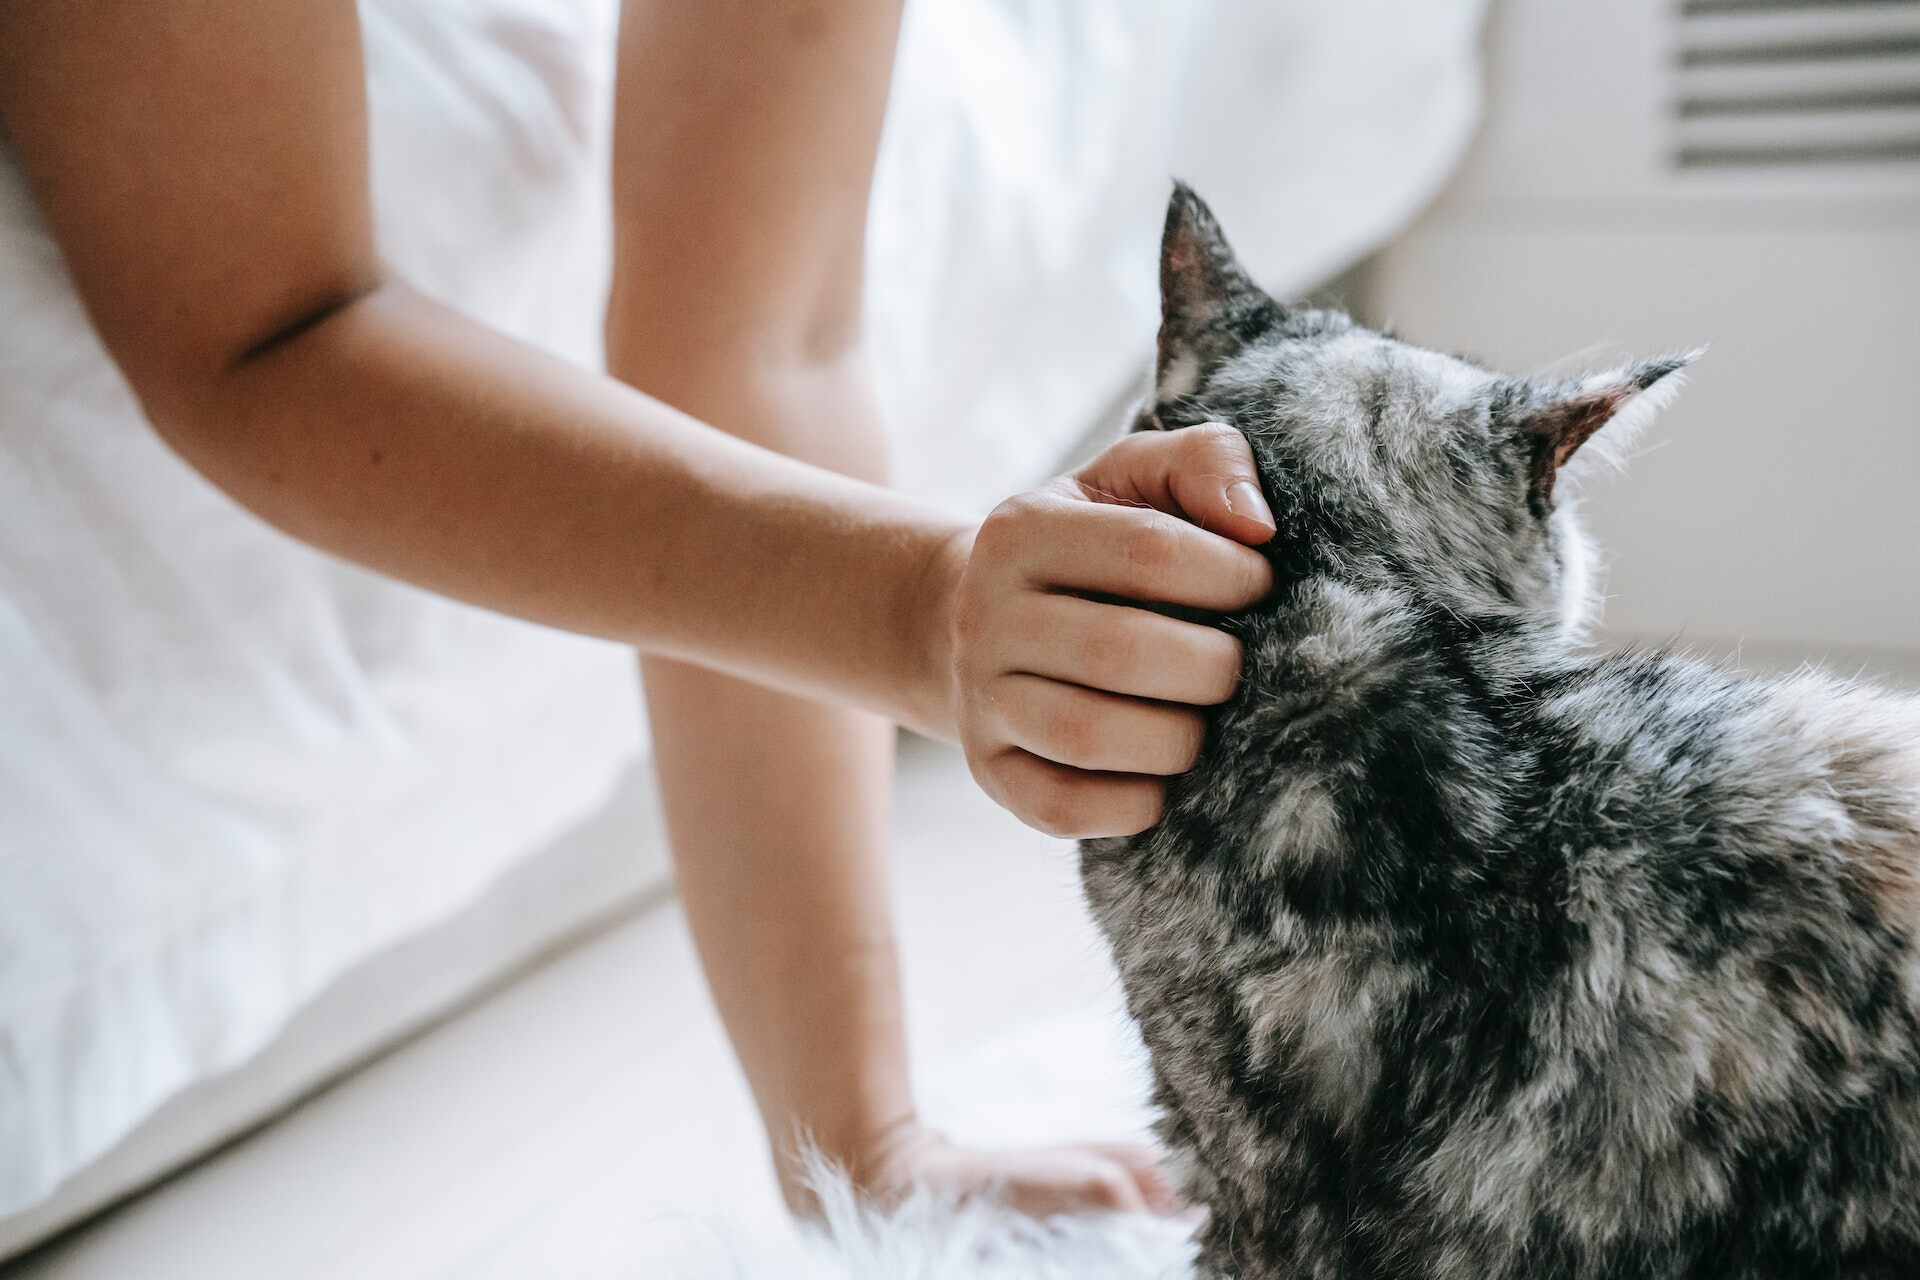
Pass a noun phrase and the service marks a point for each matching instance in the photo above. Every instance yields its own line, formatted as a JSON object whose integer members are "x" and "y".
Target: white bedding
{"x": 232, "y": 769}
{"x": 1024, "y": 175}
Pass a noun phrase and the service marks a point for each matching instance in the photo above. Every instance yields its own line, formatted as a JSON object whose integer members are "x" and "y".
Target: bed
{"x": 262, "y": 813}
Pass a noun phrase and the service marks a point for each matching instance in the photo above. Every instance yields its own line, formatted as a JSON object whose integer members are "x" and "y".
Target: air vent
{"x": 1771, "y": 83}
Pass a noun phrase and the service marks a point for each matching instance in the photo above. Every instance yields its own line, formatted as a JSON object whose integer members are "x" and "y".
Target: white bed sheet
{"x": 593, "y": 874}
{"x": 233, "y": 770}
{"x": 1024, "y": 174}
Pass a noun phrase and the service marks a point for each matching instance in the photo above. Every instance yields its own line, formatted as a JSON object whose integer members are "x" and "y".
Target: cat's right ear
{"x": 1563, "y": 417}
{"x": 1209, "y": 306}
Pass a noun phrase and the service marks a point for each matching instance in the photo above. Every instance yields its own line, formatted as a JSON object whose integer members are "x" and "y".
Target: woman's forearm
{"x": 398, "y": 434}
{"x": 219, "y": 227}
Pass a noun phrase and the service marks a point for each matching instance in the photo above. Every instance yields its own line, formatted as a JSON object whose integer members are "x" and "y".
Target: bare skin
{"x": 216, "y": 219}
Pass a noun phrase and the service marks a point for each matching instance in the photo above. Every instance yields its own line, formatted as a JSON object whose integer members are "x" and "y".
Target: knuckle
{"x": 983, "y": 762}
{"x": 1072, "y": 733}
{"x": 1215, "y": 450}
{"x": 1026, "y": 505}
{"x": 1138, "y": 445}
{"x": 997, "y": 527}
{"x": 1151, "y": 547}
{"x": 1055, "y": 814}
{"x": 1214, "y": 432}
{"x": 1006, "y": 525}
{"x": 1110, "y": 1188}
{"x": 1112, "y": 653}
{"x": 1217, "y": 439}
{"x": 970, "y": 622}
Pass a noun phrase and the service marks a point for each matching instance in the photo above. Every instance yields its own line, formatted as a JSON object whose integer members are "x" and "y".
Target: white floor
{"x": 538, "y": 1131}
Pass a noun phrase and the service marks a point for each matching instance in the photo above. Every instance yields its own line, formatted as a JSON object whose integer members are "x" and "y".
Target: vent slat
{"x": 1715, "y": 8}
{"x": 1834, "y": 100}
{"x": 1905, "y": 46}
{"x": 1795, "y": 82}
{"x": 1863, "y": 76}
{"x": 1735, "y": 157}
{"x": 1796, "y": 35}
{"x": 1814, "y": 129}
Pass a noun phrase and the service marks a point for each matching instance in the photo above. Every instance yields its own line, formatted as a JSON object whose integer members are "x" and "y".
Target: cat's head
{"x": 1382, "y": 457}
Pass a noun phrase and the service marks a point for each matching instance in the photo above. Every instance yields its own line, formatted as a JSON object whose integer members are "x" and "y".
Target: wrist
{"x": 926, "y": 623}
{"x": 880, "y": 1163}
{"x": 870, "y": 1152}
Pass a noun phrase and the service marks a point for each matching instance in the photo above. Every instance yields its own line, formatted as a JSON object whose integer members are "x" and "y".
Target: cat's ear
{"x": 1209, "y": 306}
{"x": 1561, "y": 418}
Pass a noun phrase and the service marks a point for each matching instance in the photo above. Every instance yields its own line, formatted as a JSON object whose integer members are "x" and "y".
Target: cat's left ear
{"x": 1209, "y": 306}
{"x": 1565, "y": 416}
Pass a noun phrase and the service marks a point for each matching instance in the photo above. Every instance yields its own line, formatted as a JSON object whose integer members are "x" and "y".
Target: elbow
{"x": 286, "y": 329}
{"x": 791, "y": 379}
{"x": 687, "y": 342}
{"x": 200, "y": 400}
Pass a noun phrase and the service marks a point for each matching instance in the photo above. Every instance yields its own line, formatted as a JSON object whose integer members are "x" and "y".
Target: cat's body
{"x": 1463, "y": 953}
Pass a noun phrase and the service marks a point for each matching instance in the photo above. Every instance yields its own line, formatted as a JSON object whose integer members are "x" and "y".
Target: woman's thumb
{"x": 1204, "y": 473}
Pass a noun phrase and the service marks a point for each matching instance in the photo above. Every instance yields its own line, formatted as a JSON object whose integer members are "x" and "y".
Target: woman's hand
{"x": 1040, "y": 1182}
{"x": 1072, "y": 705}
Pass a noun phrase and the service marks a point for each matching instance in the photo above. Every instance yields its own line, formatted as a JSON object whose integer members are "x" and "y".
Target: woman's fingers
{"x": 1072, "y": 708}
{"x": 1120, "y": 649}
{"x": 1144, "y": 1162}
{"x": 1069, "y": 803}
{"x": 1204, "y": 473}
{"x": 1097, "y": 731}
{"x": 1074, "y": 545}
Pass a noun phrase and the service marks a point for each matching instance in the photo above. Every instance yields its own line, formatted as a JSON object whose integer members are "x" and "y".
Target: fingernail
{"x": 1244, "y": 499}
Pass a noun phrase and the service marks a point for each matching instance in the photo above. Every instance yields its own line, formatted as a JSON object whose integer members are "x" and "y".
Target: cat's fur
{"x": 1466, "y": 954}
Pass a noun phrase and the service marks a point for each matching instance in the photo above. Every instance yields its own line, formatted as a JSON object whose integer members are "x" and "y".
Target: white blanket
{"x": 1013, "y": 282}
{"x": 232, "y": 767}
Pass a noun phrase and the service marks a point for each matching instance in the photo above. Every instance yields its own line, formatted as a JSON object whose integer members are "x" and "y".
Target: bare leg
{"x": 744, "y": 145}
{"x": 777, "y": 808}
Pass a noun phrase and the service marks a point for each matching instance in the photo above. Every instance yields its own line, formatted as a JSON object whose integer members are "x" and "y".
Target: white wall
{"x": 1777, "y": 501}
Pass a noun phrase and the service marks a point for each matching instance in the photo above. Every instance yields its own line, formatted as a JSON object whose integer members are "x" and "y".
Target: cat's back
{"x": 1775, "y": 797}
{"x": 1706, "y": 1006}
{"x": 1736, "y": 885}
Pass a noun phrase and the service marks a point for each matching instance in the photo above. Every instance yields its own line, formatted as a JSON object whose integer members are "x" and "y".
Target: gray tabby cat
{"x": 1467, "y": 953}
